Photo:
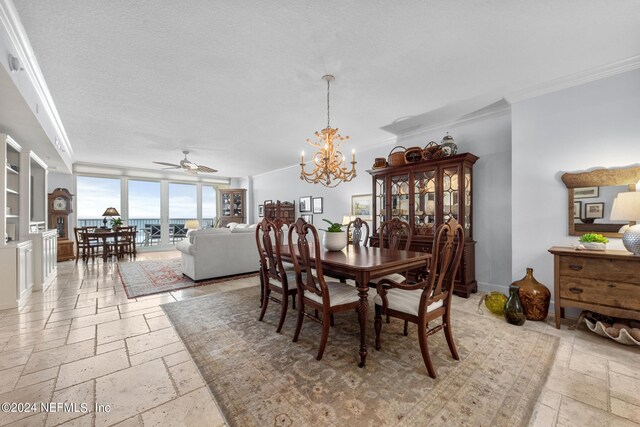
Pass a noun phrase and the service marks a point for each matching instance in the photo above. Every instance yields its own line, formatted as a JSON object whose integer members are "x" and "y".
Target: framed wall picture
{"x": 361, "y": 206}
{"x": 260, "y": 210}
{"x": 594, "y": 210}
{"x": 586, "y": 192}
{"x": 577, "y": 210}
{"x": 305, "y": 204}
{"x": 308, "y": 218}
{"x": 317, "y": 205}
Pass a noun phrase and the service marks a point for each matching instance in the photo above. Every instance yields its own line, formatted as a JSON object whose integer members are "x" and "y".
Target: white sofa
{"x": 218, "y": 252}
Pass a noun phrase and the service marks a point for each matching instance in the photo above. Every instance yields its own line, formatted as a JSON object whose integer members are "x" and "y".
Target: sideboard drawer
{"x": 603, "y": 269}
{"x": 604, "y": 292}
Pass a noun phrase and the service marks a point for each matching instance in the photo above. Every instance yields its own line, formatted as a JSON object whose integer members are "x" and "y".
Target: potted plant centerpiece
{"x": 334, "y": 238}
{"x": 594, "y": 241}
{"x": 115, "y": 223}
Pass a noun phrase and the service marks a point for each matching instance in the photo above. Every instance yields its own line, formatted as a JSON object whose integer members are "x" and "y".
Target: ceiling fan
{"x": 188, "y": 166}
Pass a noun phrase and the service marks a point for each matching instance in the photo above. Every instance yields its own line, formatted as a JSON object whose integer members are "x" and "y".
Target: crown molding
{"x": 19, "y": 43}
{"x": 576, "y": 79}
{"x": 97, "y": 169}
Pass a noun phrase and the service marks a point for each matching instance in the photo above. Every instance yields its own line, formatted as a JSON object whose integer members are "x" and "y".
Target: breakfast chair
{"x": 391, "y": 234}
{"x": 422, "y": 302}
{"x": 85, "y": 247}
{"x": 274, "y": 276}
{"x": 125, "y": 242}
{"x": 313, "y": 290}
{"x": 355, "y": 232}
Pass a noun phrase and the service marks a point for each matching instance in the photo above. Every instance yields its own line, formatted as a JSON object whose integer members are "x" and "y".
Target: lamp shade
{"x": 111, "y": 212}
{"x": 626, "y": 207}
{"x": 192, "y": 224}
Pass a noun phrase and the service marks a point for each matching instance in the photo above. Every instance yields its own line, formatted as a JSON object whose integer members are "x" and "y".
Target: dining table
{"x": 361, "y": 263}
{"x": 106, "y": 235}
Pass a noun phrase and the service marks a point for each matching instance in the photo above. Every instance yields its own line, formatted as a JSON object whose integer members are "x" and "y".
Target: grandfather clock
{"x": 59, "y": 209}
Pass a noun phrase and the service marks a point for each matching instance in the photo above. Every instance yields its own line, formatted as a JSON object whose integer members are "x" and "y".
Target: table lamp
{"x": 108, "y": 212}
{"x": 626, "y": 207}
{"x": 192, "y": 224}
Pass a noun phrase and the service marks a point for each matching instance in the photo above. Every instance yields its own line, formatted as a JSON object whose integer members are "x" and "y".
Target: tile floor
{"x": 82, "y": 341}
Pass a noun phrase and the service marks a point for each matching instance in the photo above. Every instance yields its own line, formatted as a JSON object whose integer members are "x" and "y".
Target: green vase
{"x": 513, "y": 312}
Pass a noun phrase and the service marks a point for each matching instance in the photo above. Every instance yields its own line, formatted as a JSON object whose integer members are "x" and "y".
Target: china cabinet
{"x": 232, "y": 206}
{"x": 286, "y": 211}
{"x": 426, "y": 194}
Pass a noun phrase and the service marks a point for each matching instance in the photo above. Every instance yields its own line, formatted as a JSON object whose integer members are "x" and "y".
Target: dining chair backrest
{"x": 179, "y": 230}
{"x": 154, "y": 231}
{"x": 268, "y": 242}
{"x": 79, "y": 233}
{"x": 393, "y": 231}
{"x": 306, "y": 280}
{"x": 358, "y": 231}
{"x": 448, "y": 246}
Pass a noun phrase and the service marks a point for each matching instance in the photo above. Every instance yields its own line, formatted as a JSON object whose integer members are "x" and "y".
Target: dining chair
{"x": 85, "y": 247}
{"x": 125, "y": 242}
{"x": 274, "y": 276}
{"x": 313, "y": 290}
{"x": 390, "y": 237}
{"x": 422, "y": 302}
{"x": 355, "y": 232}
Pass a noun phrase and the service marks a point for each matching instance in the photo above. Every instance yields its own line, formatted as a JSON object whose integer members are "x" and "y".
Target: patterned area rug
{"x": 140, "y": 278}
{"x": 262, "y": 378}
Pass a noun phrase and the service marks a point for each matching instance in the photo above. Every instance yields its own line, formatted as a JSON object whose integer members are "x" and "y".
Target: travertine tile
{"x": 157, "y": 323}
{"x": 121, "y": 328}
{"x": 37, "y": 377}
{"x": 91, "y": 367}
{"x": 114, "y": 345}
{"x": 588, "y": 364}
{"x": 130, "y": 422}
{"x": 147, "y": 303}
{"x": 113, "y": 300}
{"x": 82, "y": 398}
{"x": 9, "y": 378}
{"x": 49, "y": 344}
{"x": 17, "y": 319}
{"x": 144, "y": 311}
{"x": 586, "y": 389}
{"x": 11, "y": 358}
{"x": 186, "y": 377}
{"x": 36, "y": 393}
{"x": 149, "y": 383}
{"x": 151, "y": 340}
{"x": 177, "y": 358}
{"x": 81, "y": 334}
{"x": 70, "y": 314}
{"x": 195, "y": 408}
{"x": 550, "y": 398}
{"x": 59, "y": 355}
{"x": 543, "y": 416}
{"x": 577, "y": 414}
{"x": 625, "y": 369}
{"x": 625, "y": 410}
{"x": 625, "y": 388}
{"x": 96, "y": 319}
{"x": 156, "y": 353}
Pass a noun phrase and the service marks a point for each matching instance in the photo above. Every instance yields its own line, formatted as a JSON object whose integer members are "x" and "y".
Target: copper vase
{"x": 535, "y": 297}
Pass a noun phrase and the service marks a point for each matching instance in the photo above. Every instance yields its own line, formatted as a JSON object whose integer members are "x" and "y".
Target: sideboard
{"x": 605, "y": 282}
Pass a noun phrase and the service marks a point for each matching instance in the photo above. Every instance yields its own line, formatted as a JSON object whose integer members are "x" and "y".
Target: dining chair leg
{"x": 293, "y": 301}
{"x": 333, "y": 323}
{"x": 326, "y": 325}
{"x": 265, "y": 302}
{"x": 424, "y": 348}
{"x": 406, "y": 328}
{"x": 284, "y": 305}
{"x": 449, "y": 336}
{"x": 378, "y": 325}
{"x": 300, "y": 318}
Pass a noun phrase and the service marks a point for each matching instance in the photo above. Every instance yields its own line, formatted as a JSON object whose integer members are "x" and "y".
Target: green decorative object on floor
{"x": 495, "y": 302}
{"x": 259, "y": 377}
{"x": 513, "y": 312}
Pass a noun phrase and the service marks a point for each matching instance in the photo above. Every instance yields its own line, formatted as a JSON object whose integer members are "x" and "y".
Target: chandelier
{"x": 330, "y": 166}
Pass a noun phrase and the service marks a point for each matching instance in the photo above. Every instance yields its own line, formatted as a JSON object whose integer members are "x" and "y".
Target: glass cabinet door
{"x": 467, "y": 203}
{"x": 237, "y": 204}
{"x": 380, "y": 214}
{"x": 226, "y": 204}
{"x": 400, "y": 197}
{"x": 450, "y": 193}
{"x": 424, "y": 194}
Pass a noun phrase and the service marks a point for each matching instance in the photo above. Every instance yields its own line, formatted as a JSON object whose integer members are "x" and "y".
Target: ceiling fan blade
{"x": 168, "y": 164}
{"x": 206, "y": 169}
{"x": 171, "y": 168}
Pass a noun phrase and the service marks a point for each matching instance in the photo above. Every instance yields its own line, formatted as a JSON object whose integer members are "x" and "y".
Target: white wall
{"x": 593, "y": 125}
{"x": 489, "y": 138}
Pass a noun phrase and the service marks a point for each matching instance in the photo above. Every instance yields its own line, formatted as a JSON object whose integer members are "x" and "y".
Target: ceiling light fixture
{"x": 330, "y": 167}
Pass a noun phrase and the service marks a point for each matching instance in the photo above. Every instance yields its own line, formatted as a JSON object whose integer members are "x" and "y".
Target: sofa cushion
{"x": 195, "y": 233}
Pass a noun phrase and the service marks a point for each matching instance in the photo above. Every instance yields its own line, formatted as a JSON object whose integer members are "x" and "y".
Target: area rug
{"x": 140, "y": 278}
{"x": 259, "y": 377}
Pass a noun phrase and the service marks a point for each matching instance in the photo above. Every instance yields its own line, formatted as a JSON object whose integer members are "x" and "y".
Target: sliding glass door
{"x": 183, "y": 206}
{"x": 209, "y": 215}
{"x": 93, "y": 196}
{"x": 145, "y": 212}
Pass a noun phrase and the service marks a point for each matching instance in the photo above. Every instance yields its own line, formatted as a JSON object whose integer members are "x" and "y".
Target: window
{"x": 144, "y": 211}
{"x": 94, "y": 195}
{"x": 208, "y": 206}
{"x": 183, "y": 205}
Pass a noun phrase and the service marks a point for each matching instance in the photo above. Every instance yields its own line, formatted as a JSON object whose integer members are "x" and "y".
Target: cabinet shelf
{"x": 11, "y": 170}
{"x": 10, "y": 191}
{"x": 12, "y": 216}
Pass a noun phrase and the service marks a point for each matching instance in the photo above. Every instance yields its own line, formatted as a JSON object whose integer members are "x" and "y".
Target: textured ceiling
{"x": 238, "y": 83}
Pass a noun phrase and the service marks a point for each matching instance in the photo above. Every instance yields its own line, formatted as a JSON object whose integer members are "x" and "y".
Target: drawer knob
{"x": 575, "y": 290}
{"x": 575, "y": 267}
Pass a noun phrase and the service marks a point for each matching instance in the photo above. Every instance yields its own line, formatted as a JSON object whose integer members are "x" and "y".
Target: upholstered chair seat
{"x": 338, "y": 294}
{"x": 406, "y": 301}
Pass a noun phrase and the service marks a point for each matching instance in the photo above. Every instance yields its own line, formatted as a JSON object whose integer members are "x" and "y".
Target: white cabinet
{"x": 44, "y": 258}
{"x": 16, "y": 281}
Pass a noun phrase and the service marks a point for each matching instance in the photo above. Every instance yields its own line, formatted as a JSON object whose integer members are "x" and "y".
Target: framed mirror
{"x": 591, "y": 197}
